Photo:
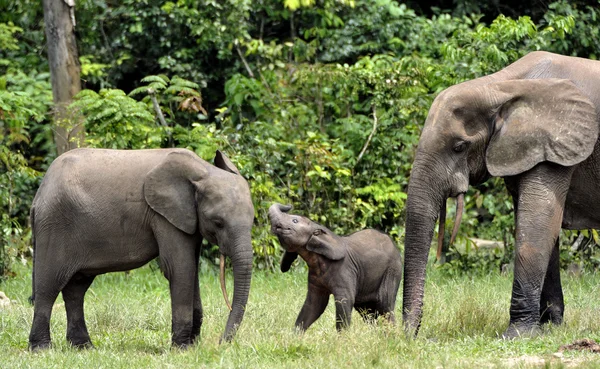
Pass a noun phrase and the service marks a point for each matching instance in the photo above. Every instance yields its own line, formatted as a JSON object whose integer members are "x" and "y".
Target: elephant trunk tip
{"x": 280, "y": 207}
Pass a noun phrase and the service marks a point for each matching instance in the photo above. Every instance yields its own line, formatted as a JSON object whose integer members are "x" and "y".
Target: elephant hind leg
{"x": 368, "y": 311}
{"x": 388, "y": 293}
{"x": 73, "y": 294}
{"x": 47, "y": 288}
{"x": 551, "y": 301}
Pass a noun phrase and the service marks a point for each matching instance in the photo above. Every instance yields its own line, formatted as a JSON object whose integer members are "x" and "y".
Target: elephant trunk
{"x": 276, "y": 210}
{"x": 423, "y": 205}
{"x": 241, "y": 261}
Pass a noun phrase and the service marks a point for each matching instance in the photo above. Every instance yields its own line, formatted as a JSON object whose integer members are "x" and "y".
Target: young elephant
{"x": 362, "y": 270}
{"x": 99, "y": 211}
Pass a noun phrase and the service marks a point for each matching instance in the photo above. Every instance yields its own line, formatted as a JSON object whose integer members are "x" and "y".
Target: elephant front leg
{"x": 552, "y": 304}
{"x": 314, "y": 306}
{"x": 181, "y": 285}
{"x": 197, "y": 313}
{"x": 177, "y": 252}
{"x": 343, "y": 310}
{"x": 73, "y": 295}
{"x": 542, "y": 193}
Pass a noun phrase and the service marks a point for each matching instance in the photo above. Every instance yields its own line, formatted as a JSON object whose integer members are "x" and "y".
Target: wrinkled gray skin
{"x": 362, "y": 270}
{"x": 534, "y": 123}
{"x": 100, "y": 211}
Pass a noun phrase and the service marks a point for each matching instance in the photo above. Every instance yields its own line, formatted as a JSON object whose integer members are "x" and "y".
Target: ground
{"x": 129, "y": 321}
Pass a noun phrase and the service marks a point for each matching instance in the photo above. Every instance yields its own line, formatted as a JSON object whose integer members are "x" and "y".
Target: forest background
{"x": 320, "y": 103}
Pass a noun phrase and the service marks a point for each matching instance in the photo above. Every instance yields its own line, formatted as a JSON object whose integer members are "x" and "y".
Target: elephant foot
{"x": 38, "y": 346}
{"x": 184, "y": 345}
{"x": 82, "y": 344}
{"x": 552, "y": 315}
{"x": 521, "y": 331}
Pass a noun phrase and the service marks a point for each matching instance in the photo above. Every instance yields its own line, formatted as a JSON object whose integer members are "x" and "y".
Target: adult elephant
{"x": 100, "y": 211}
{"x": 534, "y": 123}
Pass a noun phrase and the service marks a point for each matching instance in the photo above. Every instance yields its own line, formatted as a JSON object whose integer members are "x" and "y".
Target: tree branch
{"x": 159, "y": 113}
{"x": 239, "y": 51}
{"x": 362, "y": 152}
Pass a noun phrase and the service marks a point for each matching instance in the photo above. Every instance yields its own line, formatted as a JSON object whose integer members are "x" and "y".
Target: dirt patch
{"x": 543, "y": 361}
{"x": 4, "y": 301}
{"x": 585, "y": 344}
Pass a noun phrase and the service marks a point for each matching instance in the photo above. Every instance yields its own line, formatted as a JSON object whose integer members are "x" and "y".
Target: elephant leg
{"x": 387, "y": 295}
{"x": 343, "y": 310}
{"x": 39, "y": 337}
{"x": 314, "y": 306}
{"x": 197, "y": 314}
{"x": 542, "y": 194}
{"x": 177, "y": 252}
{"x": 552, "y": 302}
{"x": 73, "y": 294}
{"x": 47, "y": 287}
{"x": 368, "y": 311}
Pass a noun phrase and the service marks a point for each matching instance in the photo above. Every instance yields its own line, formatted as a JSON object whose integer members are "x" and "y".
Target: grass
{"x": 129, "y": 320}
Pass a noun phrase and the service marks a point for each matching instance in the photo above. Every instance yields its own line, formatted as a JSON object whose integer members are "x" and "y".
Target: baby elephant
{"x": 362, "y": 270}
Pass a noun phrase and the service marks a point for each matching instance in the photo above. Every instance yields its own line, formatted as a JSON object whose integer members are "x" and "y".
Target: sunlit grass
{"x": 129, "y": 320}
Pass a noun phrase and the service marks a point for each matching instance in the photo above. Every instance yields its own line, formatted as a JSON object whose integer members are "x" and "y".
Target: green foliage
{"x": 319, "y": 103}
{"x": 24, "y": 100}
{"x": 173, "y": 95}
{"x": 114, "y": 120}
{"x": 7, "y": 39}
{"x": 90, "y": 70}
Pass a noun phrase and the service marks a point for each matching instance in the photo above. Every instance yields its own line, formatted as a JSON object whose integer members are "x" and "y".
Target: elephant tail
{"x": 32, "y": 223}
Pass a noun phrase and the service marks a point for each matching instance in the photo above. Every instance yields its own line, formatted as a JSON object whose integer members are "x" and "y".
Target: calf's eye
{"x": 294, "y": 220}
{"x": 460, "y": 146}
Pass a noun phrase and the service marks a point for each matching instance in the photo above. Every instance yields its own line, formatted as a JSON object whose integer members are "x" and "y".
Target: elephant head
{"x": 215, "y": 202}
{"x": 481, "y": 128}
{"x": 297, "y": 234}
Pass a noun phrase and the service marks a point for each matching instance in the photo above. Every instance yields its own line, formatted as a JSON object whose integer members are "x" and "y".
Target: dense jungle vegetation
{"x": 319, "y": 102}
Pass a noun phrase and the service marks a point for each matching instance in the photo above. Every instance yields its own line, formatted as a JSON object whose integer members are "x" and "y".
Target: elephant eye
{"x": 294, "y": 220}
{"x": 218, "y": 223}
{"x": 460, "y": 146}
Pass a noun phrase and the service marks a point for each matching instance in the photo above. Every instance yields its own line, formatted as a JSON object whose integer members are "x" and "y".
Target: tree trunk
{"x": 59, "y": 19}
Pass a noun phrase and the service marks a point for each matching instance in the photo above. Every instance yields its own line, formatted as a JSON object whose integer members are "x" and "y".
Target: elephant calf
{"x": 362, "y": 270}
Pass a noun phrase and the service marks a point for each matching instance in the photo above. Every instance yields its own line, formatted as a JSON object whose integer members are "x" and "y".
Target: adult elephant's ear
{"x": 539, "y": 120}
{"x": 287, "y": 260}
{"x": 327, "y": 245}
{"x": 169, "y": 189}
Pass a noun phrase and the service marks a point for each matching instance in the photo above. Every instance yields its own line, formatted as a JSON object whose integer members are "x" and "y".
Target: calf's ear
{"x": 327, "y": 245}
{"x": 287, "y": 260}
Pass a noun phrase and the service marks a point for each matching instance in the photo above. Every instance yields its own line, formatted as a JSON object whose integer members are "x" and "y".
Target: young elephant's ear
{"x": 539, "y": 120}
{"x": 287, "y": 260}
{"x": 223, "y": 162}
{"x": 327, "y": 245}
{"x": 169, "y": 189}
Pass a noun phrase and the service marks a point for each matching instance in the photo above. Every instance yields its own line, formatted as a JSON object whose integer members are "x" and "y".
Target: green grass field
{"x": 129, "y": 320}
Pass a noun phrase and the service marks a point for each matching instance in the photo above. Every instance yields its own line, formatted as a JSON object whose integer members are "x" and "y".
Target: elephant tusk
{"x": 441, "y": 231}
{"x": 460, "y": 205}
{"x": 222, "y": 280}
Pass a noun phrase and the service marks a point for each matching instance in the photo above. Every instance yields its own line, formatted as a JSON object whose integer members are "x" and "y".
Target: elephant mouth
{"x": 281, "y": 231}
